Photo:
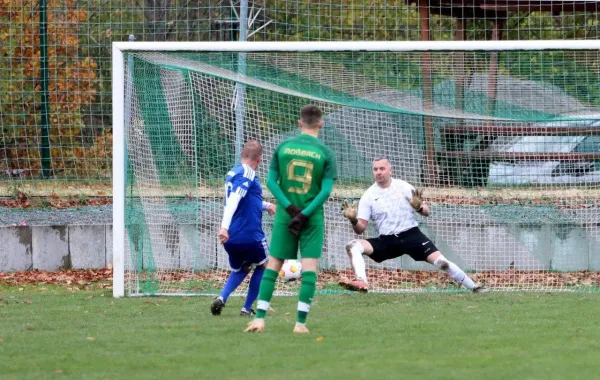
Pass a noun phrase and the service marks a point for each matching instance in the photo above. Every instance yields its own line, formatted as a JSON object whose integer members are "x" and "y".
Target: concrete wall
{"x": 55, "y": 247}
{"x": 562, "y": 247}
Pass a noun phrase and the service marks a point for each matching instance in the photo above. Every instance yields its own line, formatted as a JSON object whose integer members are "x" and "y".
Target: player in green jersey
{"x": 301, "y": 176}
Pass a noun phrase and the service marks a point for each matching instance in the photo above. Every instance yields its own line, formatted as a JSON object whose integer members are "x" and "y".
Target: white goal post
{"x": 501, "y": 143}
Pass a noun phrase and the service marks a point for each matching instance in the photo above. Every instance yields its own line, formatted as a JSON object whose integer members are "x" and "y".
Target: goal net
{"x": 504, "y": 138}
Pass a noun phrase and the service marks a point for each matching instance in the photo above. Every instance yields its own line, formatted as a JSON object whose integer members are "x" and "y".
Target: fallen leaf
{"x": 320, "y": 339}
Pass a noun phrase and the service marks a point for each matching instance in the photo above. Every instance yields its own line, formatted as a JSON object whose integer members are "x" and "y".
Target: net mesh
{"x": 72, "y": 146}
{"x": 507, "y": 152}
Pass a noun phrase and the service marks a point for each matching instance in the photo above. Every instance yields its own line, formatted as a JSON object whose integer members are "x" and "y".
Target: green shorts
{"x": 285, "y": 246}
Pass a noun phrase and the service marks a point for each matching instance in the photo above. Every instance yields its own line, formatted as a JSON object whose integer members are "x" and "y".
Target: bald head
{"x": 252, "y": 151}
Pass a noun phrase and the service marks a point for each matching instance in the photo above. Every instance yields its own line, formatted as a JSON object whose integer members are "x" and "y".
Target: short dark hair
{"x": 310, "y": 114}
{"x": 252, "y": 149}
{"x": 382, "y": 157}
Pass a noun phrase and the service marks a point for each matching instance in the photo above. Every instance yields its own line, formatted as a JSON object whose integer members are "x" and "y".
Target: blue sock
{"x": 233, "y": 281}
{"x": 253, "y": 288}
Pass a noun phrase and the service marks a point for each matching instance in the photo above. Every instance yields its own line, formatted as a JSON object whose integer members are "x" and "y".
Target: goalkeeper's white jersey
{"x": 388, "y": 207}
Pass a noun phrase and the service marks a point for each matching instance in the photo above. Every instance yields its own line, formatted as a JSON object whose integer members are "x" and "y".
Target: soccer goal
{"x": 503, "y": 136}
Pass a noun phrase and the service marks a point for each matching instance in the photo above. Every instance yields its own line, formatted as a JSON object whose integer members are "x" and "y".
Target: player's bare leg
{"x": 257, "y": 325}
{"x": 355, "y": 250}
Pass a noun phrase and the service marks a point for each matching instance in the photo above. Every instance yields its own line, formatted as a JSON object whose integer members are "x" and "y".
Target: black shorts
{"x": 411, "y": 242}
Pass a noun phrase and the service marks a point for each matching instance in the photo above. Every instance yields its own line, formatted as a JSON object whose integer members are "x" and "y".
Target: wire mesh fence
{"x": 55, "y": 87}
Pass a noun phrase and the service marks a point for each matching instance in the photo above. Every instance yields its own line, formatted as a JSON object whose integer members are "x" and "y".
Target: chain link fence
{"x": 55, "y": 86}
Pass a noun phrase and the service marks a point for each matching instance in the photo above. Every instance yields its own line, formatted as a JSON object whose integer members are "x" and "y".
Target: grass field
{"x": 53, "y": 333}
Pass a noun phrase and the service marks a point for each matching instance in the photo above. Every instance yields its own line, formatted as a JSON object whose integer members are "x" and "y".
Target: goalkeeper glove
{"x": 350, "y": 211}
{"x": 416, "y": 202}
{"x": 297, "y": 223}
{"x": 293, "y": 210}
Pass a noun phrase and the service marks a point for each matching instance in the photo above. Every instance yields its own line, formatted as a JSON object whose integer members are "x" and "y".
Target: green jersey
{"x": 302, "y": 162}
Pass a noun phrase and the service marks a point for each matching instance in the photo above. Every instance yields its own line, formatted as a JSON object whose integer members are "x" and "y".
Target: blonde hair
{"x": 252, "y": 150}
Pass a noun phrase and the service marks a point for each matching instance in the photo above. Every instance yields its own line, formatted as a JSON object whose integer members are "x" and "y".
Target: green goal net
{"x": 505, "y": 144}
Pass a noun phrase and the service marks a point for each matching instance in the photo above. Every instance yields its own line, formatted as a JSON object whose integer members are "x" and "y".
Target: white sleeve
{"x": 265, "y": 205}
{"x": 231, "y": 205}
{"x": 408, "y": 189}
{"x": 364, "y": 208}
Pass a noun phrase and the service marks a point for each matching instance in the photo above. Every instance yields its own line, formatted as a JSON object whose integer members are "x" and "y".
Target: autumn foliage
{"x": 73, "y": 279}
{"x": 81, "y": 279}
{"x": 72, "y": 87}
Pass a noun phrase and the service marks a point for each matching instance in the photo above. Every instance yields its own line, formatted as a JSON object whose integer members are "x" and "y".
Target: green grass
{"x": 58, "y": 334}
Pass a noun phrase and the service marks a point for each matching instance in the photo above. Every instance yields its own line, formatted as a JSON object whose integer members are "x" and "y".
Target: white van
{"x": 548, "y": 172}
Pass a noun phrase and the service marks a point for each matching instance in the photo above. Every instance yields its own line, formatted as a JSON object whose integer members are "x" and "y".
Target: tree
{"x": 72, "y": 86}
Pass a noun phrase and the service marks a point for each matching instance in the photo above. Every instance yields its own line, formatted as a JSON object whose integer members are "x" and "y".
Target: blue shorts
{"x": 246, "y": 254}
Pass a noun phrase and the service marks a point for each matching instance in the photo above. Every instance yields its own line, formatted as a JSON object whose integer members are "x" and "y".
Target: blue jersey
{"x": 246, "y": 224}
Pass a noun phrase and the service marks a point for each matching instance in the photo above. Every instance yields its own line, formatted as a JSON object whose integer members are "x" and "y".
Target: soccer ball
{"x": 291, "y": 270}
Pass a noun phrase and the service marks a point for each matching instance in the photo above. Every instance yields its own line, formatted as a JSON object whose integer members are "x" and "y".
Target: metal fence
{"x": 55, "y": 88}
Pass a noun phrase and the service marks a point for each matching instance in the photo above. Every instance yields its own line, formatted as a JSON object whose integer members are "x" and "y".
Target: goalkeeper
{"x": 390, "y": 203}
{"x": 301, "y": 176}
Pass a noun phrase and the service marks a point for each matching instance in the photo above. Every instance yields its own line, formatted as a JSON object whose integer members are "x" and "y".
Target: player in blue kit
{"x": 241, "y": 228}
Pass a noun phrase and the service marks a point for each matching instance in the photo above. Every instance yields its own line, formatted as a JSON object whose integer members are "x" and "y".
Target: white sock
{"x": 457, "y": 274}
{"x": 262, "y": 305}
{"x": 454, "y": 271}
{"x": 358, "y": 261}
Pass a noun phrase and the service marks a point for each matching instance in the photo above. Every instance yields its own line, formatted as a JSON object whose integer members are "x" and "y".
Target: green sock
{"x": 265, "y": 292}
{"x": 307, "y": 292}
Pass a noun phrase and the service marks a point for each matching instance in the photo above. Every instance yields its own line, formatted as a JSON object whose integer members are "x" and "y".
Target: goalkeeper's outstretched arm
{"x": 424, "y": 210}
{"x": 350, "y": 211}
{"x": 360, "y": 226}
{"x": 417, "y": 203}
